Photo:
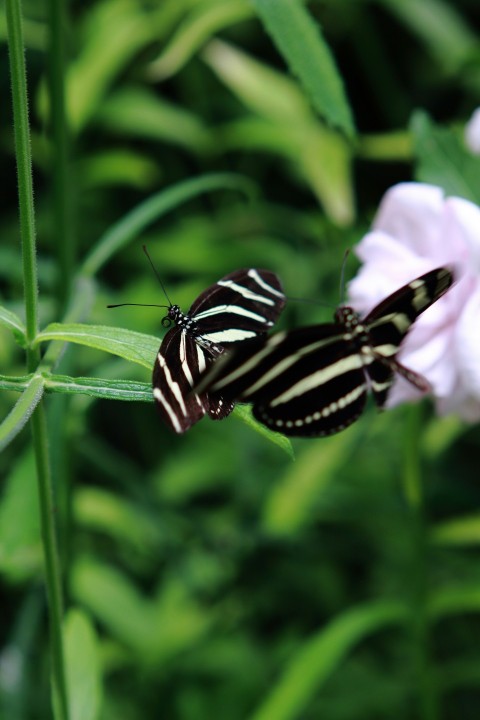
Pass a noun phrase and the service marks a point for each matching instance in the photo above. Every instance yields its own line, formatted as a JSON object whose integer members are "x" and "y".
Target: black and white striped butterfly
{"x": 238, "y": 307}
{"x": 313, "y": 381}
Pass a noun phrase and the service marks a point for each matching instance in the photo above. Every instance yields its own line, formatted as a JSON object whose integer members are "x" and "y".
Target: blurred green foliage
{"x": 209, "y": 576}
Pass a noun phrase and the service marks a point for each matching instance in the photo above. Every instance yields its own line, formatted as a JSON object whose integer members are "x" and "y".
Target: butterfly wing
{"x": 238, "y": 307}
{"x": 389, "y": 322}
{"x": 177, "y": 367}
{"x": 307, "y": 382}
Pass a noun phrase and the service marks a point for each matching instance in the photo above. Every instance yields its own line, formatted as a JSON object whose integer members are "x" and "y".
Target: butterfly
{"x": 240, "y": 306}
{"x": 314, "y": 380}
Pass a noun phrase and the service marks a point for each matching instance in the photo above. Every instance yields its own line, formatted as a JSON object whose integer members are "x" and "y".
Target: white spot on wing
{"x": 245, "y": 292}
{"x": 254, "y": 274}
{"x": 234, "y": 309}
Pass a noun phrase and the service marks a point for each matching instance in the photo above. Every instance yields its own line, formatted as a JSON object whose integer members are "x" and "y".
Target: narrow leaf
{"x": 11, "y": 321}
{"x": 442, "y": 159}
{"x": 22, "y": 411}
{"x": 244, "y": 413}
{"x": 320, "y": 656}
{"x": 83, "y": 667}
{"x": 200, "y": 25}
{"x": 99, "y": 388}
{"x": 147, "y": 212}
{"x": 16, "y": 384}
{"x": 130, "y": 345}
{"x": 299, "y": 39}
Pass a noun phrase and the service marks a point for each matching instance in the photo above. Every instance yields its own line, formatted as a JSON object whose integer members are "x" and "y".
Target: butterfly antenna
{"x": 137, "y": 305}
{"x": 144, "y": 248}
{"x": 342, "y": 275}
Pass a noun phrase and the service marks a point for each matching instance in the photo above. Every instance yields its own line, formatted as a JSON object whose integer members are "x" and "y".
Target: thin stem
{"x": 418, "y": 570}
{"x": 24, "y": 171}
{"x": 61, "y": 177}
{"x": 38, "y": 421}
{"x": 51, "y": 556}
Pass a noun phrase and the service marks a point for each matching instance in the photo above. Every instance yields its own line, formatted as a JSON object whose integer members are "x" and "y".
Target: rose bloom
{"x": 418, "y": 229}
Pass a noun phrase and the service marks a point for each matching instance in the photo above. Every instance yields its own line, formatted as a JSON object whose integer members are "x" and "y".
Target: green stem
{"x": 413, "y": 489}
{"x": 38, "y": 421}
{"x": 52, "y": 562}
{"x": 61, "y": 177}
{"x": 24, "y": 170}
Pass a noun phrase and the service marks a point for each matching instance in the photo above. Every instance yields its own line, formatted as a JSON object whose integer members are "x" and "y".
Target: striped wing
{"x": 239, "y": 307}
{"x": 307, "y": 382}
{"x": 178, "y": 365}
{"x": 314, "y": 381}
{"x": 389, "y": 322}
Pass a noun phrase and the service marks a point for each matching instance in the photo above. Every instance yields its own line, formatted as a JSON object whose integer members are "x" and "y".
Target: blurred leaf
{"x": 261, "y": 88}
{"x": 459, "y": 531}
{"x": 153, "y": 208}
{"x": 442, "y": 159}
{"x": 130, "y": 345}
{"x": 203, "y": 22}
{"x": 440, "y": 434}
{"x": 82, "y": 666}
{"x": 11, "y": 321}
{"x": 113, "y": 33}
{"x": 100, "y": 387}
{"x": 118, "y": 167}
{"x": 319, "y": 657}
{"x": 22, "y": 411}
{"x": 244, "y": 413}
{"x": 384, "y": 147}
{"x": 138, "y": 112}
{"x": 440, "y": 27}
{"x": 102, "y": 510}
{"x": 20, "y": 546}
{"x": 322, "y": 155}
{"x": 292, "y": 502}
{"x": 156, "y": 629}
{"x": 459, "y": 600}
{"x": 300, "y": 41}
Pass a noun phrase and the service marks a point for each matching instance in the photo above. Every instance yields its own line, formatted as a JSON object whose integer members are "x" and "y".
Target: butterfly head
{"x": 346, "y": 316}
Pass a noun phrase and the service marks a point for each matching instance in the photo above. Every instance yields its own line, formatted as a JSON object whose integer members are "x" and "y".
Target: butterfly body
{"x": 314, "y": 381}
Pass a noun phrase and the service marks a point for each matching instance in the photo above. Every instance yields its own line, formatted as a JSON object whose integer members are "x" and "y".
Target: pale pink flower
{"x": 472, "y": 133}
{"x": 416, "y": 230}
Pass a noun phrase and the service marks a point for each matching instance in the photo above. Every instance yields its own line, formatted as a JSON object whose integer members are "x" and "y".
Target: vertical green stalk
{"x": 38, "y": 422}
{"x": 62, "y": 226}
{"x": 413, "y": 489}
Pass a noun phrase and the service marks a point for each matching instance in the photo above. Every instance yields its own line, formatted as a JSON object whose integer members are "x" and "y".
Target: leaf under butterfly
{"x": 128, "y": 344}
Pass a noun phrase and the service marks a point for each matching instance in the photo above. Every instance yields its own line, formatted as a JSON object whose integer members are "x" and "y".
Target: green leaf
{"x": 295, "y": 497}
{"x": 22, "y": 411}
{"x": 99, "y": 387}
{"x": 440, "y": 27}
{"x": 82, "y": 666}
{"x": 300, "y": 41}
{"x": 244, "y": 413}
{"x": 20, "y": 544}
{"x": 121, "y": 520}
{"x": 16, "y": 384}
{"x": 442, "y": 159}
{"x": 114, "y": 32}
{"x": 321, "y": 655}
{"x": 298, "y": 134}
{"x": 130, "y": 345}
{"x": 459, "y": 531}
{"x": 199, "y": 26}
{"x": 138, "y": 112}
{"x": 147, "y": 212}
{"x": 11, "y": 321}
